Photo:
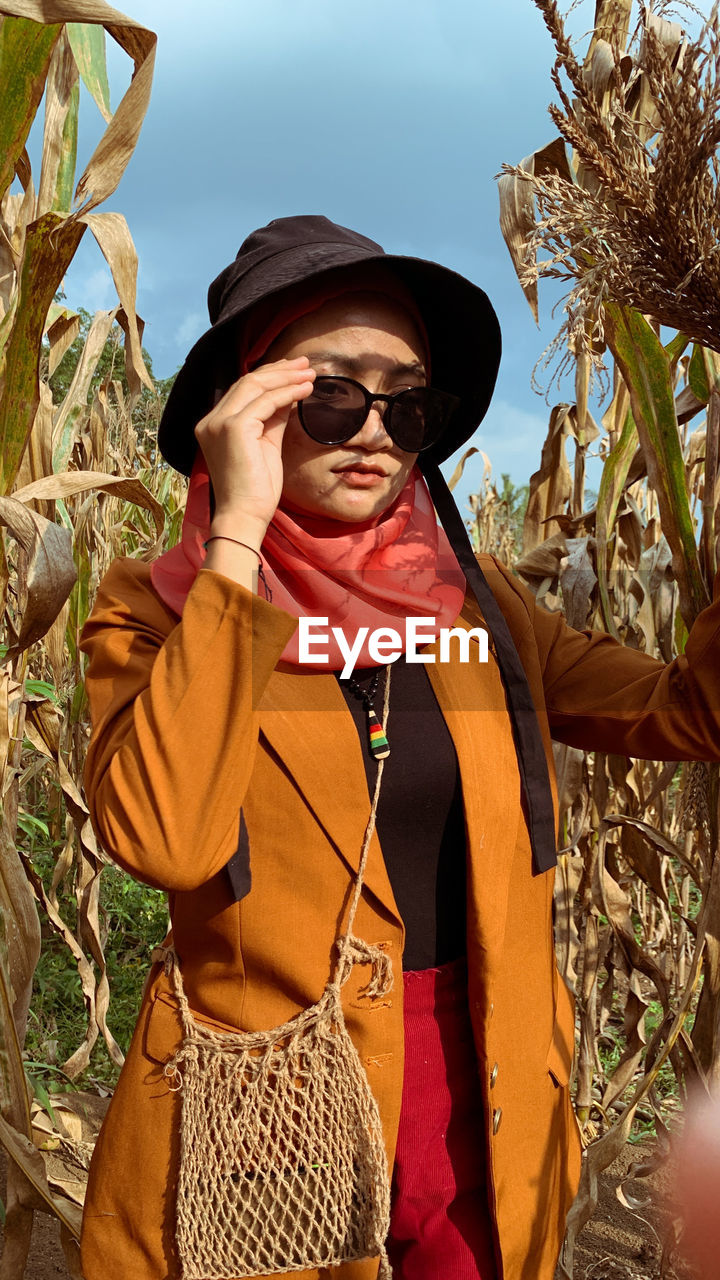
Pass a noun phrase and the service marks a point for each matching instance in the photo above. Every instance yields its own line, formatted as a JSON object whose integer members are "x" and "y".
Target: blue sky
{"x": 390, "y": 116}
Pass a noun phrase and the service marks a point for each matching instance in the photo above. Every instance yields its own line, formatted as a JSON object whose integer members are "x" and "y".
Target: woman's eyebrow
{"x": 357, "y": 364}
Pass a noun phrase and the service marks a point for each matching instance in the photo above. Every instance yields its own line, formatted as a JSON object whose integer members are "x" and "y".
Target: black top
{"x": 420, "y": 821}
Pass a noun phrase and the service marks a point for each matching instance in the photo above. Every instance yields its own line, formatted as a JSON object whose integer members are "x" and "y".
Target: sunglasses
{"x": 338, "y": 408}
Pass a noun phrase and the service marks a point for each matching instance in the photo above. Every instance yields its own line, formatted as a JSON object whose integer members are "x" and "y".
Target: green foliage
{"x": 110, "y": 366}
{"x": 136, "y": 920}
{"x": 514, "y": 500}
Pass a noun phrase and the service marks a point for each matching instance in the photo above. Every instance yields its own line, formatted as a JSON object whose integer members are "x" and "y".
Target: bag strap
{"x": 352, "y": 950}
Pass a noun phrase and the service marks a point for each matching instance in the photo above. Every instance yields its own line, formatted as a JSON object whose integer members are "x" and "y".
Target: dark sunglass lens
{"x": 418, "y": 417}
{"x": 334, "y": 412}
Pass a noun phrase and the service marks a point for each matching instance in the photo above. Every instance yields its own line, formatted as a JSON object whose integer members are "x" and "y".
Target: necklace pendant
{"x": 379, "y": 745}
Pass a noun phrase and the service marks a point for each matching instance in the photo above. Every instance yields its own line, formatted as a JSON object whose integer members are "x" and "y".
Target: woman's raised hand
{"x": 241, "y": 439}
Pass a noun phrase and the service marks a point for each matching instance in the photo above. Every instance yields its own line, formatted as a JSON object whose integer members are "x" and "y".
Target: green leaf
{"x": 25, "y": 51}
{"x": 645, "y": 367}
{"x": 43, "y": 689}
{"x": 697, "y": 375}
{"x": 43, "y": 1097}
{"x": 680, "y": 634}
{"x": 612, "y": 482}
{"x": 675, "y": 347}
{"x": 65, "y": 183}
{"x": 30, "y": 825}
{"x": 87, "y": 41}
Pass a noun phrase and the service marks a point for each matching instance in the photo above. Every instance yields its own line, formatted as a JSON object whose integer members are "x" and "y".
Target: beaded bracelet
{"x": 224, "y": 537}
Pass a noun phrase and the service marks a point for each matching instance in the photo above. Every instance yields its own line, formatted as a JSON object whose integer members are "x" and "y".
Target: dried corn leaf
{"x": 612, "y": 25}
{"x": 50, "y": 574}
{"x": 113, "y": 236}
{"x": 14, "y": 1099}
{"x": 544, "y": 560}
{"x": 643, "y": 859}
{"x": 577, "y": 581}
{"x": 110, "y": 158}
{"x": 635, "y": 1042}
{"x": 567, "y": 939}
{"x": 599, "y": 67}
{"x": 63, "y": 328}
{"x": 457, "y": 473}
{"x": 50, "y": 244}
{"x": 551, "y": 486}
{"x": 71, "y": 483}
{"x": 94, "y": 992}
{"x": 75, "y": 401}
{"x": 617, "y": 907}
{"x": 37, "y": 459}
{"x": 517, "y": 210}
{"x": 21, "y": 1150}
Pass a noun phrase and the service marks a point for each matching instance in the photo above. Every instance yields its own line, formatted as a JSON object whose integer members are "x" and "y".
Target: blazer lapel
{"x": 472, "y": 699}
{"x": 306, "y": 721}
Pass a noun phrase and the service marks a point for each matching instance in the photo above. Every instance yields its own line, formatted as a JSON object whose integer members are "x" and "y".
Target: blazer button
{"x": 497, "y": 1119}
{"x": 494, "y": 1076}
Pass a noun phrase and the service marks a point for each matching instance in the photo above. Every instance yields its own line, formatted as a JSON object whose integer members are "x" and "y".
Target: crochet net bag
{"x": 283, "y": 1165}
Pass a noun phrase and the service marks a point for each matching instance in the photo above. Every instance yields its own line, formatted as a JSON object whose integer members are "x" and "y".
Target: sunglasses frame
{"x": 445, "y": 398}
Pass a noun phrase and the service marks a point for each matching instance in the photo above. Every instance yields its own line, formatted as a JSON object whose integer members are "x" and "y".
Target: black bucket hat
{"x": 464, "y": 340}
{"x": 462, "y": 328}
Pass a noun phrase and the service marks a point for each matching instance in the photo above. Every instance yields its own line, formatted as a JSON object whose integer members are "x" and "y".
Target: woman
{"x": 229, "y": 770}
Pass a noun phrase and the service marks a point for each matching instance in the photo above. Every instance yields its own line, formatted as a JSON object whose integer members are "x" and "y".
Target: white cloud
{"x": 190, "y": 328}
{"x": 96, "y": 291}
{"x": 512, "y": 438}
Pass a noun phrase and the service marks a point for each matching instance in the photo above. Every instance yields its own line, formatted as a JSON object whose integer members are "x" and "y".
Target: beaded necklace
{"x": 379, "y": 745}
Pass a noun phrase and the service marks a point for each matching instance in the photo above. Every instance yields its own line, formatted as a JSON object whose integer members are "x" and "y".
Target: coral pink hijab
{"x": 374, "y": 574}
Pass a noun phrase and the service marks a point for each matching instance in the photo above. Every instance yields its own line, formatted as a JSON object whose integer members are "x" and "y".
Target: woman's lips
{"x": 361, "y": 478}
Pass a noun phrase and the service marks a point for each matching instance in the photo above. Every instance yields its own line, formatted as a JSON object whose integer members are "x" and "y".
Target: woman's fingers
{"x": 264, "y": 378}
{"x": 267, "y": 404}
{"x": 241, "y": 439}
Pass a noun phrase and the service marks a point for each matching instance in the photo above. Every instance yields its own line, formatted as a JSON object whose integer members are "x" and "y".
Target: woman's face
{"x": 375, "y": 341}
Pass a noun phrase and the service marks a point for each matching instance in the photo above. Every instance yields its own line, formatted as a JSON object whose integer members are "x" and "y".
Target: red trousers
{"x": 440, "y": 1223}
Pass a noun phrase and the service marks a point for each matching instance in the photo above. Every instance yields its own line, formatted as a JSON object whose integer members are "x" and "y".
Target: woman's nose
{"x": 372, "y": 434}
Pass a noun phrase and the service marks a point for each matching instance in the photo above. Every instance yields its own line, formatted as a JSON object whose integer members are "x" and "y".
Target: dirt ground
{"x": 624, "y": 1244}
{"x": 619, "y": 1244}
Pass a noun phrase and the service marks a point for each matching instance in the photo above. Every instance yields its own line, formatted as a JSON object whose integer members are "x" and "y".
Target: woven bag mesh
{"x": 283, "y": 1164}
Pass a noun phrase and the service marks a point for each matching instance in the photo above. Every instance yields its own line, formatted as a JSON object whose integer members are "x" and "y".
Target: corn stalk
{"x": 47, "y": 48}
{"x": 623, "y": 206}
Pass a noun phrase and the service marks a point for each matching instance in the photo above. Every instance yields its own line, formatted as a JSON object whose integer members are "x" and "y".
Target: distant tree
{"x": 111, "y": 367}
{"x": 514, "y": 498}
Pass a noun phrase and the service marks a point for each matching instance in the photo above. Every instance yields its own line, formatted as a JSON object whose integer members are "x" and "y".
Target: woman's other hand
{"x": 241, "y": 440}
{"x": 697, "y": 1185}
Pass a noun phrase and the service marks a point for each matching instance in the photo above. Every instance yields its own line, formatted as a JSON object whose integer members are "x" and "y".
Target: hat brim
{"x": 462, "y": 328}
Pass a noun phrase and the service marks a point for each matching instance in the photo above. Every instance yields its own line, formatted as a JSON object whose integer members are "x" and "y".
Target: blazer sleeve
{"x": 174, "y": 709}
{"x": 603, "y": 696}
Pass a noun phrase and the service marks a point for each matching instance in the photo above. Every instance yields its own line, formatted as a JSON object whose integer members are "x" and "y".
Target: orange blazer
{"x": 194, "y": 719}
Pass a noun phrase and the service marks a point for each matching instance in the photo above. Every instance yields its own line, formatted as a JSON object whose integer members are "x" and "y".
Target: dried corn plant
{"x": 634, "y": 216}
{"x": 495, "y": 520}
{"x": 624, "y": 207}
{"x": 72, "y": 495}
